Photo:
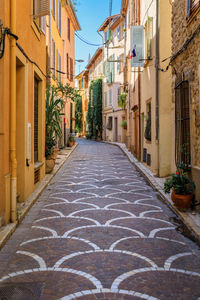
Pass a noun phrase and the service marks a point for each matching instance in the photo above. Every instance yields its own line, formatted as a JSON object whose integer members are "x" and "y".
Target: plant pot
{"x": 182, "y": 201}
{"x": 71, "y": 144}
{"x": 54, "y": 154}
{"x": 50, "y": 163}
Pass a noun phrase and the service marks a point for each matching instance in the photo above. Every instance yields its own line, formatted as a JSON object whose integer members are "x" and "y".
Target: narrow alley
{"x": 99, "y": 231}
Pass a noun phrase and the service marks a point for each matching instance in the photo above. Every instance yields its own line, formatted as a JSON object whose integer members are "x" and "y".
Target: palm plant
{"x": 54, "y": 107}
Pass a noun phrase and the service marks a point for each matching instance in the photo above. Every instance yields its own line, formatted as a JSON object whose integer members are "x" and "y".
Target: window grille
{"x": 182, "y": 123}
{"x": 144, "y": 155}
{"x": 36, "y": 176}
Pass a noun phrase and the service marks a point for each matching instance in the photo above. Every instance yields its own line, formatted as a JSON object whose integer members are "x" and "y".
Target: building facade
{"x": 148, "y": 43}
{"x": 185, "y": 62}
{"x": 113, "y": 53}
{"x": 22, "y": 101}
{"x": 61, "y": 28}
{"x": 82, "y": 88}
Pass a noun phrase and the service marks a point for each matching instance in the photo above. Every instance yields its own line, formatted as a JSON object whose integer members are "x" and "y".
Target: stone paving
{"x": 99, "y": 231}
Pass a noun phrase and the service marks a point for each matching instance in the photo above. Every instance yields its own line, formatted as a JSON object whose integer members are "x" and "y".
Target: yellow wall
{"x": 32, "y": 40}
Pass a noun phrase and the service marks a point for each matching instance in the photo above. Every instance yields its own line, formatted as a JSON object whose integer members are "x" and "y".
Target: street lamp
{"x": 79, "y": 61}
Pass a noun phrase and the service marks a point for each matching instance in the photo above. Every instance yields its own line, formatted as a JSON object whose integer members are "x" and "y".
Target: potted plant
{"x": 71, "y": 141}
{"x": 54, "y": 106}
{"x": 182, "y": 188}
{"x": 124, "y": 124}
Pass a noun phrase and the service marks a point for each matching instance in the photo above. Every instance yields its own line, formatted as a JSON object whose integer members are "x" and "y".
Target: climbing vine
{"x": 94, "y": 115}
{"x": 78, "y": 113}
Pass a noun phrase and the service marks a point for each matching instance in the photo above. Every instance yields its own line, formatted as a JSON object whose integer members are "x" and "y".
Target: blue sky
{"x": 91, "y": 14}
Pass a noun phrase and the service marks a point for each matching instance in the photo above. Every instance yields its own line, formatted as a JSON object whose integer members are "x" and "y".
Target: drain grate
{"x": 21, "y": 291}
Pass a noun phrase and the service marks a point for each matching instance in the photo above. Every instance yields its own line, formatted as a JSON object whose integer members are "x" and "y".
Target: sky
{"x": 91, "y": 14}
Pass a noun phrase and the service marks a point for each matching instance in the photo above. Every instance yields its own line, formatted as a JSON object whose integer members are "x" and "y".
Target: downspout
{"x": 13, "y": 112}
{"x": 157, "y": 80}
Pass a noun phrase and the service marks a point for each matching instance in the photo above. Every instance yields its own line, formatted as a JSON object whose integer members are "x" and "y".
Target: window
{"x": 119, "y": 33}
{"x": 99, "y": 66}
{"x": 60, "y": 68}
{"x": 121, "y": 62}
{"x": 69, "y": 29}
{"x": 60, "y": 19}
{"x": 54, "y": 58}
{"x": 105, "y": 99}
{"x": 118, "y": 64}
{"x": 36, "y": 107}
{"x": 71, "y": 69}
{"x": 182, "y": 123}
{"x": 67, "y": 58}
{"x": 58, "y": 13}
{"x": 41, "y": 8}
{"x": 192, "y": 6}
{"x": 54, "y": 9}
{"x": 148, "y": 37}
{"x": 106, "y": 36}
{"x": 110, "y": 97}
{"x": 57, "y": 64}
{"x": 147, "y": 133}
{"x": 109, "y": 123}
{"x": 42, "y": 24}
{"x": 118, "y": 93}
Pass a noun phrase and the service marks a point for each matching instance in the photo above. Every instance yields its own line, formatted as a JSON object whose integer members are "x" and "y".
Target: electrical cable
{"x": 8, "y": 32}
{"x": 88, "y": 43}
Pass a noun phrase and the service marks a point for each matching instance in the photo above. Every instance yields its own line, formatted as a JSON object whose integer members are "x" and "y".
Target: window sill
{"x": 36, "y": 30}
{"x": 38, "y": 165}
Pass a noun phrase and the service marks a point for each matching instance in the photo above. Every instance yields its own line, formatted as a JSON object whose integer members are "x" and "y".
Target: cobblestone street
{"x": 99, "y": 231}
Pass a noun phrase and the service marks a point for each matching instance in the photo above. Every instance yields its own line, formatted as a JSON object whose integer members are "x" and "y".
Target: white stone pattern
{"x": 85, "y": 185}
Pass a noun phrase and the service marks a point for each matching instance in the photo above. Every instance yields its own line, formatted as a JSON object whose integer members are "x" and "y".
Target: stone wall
{"x": 187, "y": 64}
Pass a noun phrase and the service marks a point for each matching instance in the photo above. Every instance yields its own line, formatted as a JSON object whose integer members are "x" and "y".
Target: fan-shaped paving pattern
{"x": 101, "y": 233}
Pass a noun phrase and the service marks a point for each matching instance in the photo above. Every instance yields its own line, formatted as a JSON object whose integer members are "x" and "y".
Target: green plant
{"x": 179, "y": 182}
{"x": 49, "y": 145}
{"x": 71, "y": 139}
{"x": 54, "y": 107}
{"x": 124, "y": 124}
{"x": 122, "y": 101}
{"x": 78, "y": 113}
{"x": 94, "y": 115}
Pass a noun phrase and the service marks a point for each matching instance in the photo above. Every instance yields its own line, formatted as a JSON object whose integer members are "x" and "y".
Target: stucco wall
{"x": 188, "y": 65}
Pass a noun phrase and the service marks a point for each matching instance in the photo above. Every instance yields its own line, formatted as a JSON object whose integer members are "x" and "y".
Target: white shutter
{"x": 41, "y": 8}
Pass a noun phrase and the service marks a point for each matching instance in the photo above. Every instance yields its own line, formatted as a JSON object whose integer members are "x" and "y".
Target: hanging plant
{"x": 122, "y": 101}
{"x": 124, "y": 124}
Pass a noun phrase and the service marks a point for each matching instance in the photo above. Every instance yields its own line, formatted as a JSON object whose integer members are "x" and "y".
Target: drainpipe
{"x": 13, "y": 112}
{"x": 157, "y": 79}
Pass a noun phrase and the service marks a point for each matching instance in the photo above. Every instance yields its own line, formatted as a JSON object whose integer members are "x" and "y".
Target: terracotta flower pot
{"x": 50, "y": 163}
{"x": 71, "y": 144}
{"x": 182, "y": 201}
{"x": 54, "y": 154}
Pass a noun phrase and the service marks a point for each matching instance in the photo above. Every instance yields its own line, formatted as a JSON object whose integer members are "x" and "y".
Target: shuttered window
{"x": 182, "y": 123}
{"x": 69, "y": 29}
{"x": 71, "y": 69}
{"x": 41, "y": 8}
{"x": 36, "y": 85}
{"x": 67, "y": 61}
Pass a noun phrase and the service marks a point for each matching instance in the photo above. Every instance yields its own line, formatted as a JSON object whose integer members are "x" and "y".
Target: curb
{"x": 187, "y": 220}
{"x": 7, "y": 231}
